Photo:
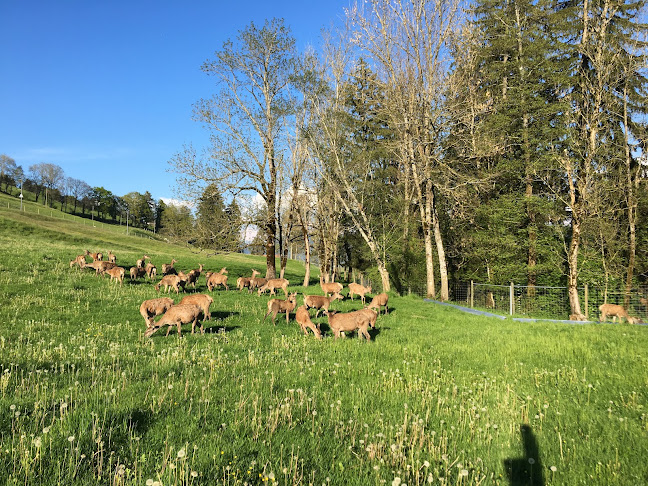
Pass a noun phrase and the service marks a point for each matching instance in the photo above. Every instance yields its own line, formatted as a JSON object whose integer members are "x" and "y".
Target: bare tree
{"x": 7, "y": 168}
{"x": 246, "y": 119}
{"x": 408, "y": 42}
{"x": 50, "y": 176}
{"x": 327, "y": 140}
{"x": 78, "y": 189}
{"x": 580, "y": 160}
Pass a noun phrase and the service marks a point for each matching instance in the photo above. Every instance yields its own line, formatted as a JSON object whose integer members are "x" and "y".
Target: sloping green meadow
{"x": 437, "y": 396}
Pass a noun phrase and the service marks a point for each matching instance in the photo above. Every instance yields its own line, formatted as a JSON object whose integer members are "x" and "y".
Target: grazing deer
{"x": 276, "y": 306}
{"x": 612, "y": 310}
{"x": 167, "y": 268}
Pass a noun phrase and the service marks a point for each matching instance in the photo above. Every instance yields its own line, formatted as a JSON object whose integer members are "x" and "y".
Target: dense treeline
{"x": 425, "y": 142}
{"x": 213, "y": 227}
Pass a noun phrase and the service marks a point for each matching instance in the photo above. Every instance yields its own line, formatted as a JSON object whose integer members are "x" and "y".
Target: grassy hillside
{"x": 437, "y": 396}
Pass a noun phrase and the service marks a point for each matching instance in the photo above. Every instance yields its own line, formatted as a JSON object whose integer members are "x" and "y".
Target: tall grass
{"x": 437, "y": 397}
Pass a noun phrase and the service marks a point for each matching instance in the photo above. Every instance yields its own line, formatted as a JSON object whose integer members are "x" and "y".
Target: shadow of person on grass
{"x": 526, "y": 470}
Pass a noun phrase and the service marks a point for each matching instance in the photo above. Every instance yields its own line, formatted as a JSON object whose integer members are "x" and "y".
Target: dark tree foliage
{"x": 218, "y": 227}
{"x": 371, "y": 165}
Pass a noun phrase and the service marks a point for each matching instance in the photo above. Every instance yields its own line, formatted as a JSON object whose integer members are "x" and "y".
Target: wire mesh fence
{"x": 546, "y": 302}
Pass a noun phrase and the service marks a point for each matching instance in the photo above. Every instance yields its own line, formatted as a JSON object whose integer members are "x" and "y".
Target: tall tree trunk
{"x": 438, "y": 239}
{"x": 631, "y": 202}
{"x": 425, "y": 213}
{"x": 280, "y": 236}
{"x": 574, "y": 244}
{"x": 271, "y": 230}
{"x": 384, "y": 276}
{"x": 271, "y": 223}
{"x": 406, "y": 236}
{"x": 572, "y": 262}
{"x": 532, "y": 234}
{"x": 270, "y": 249}
{"x": 334, "y": 264}
{"x": 306, "y": 254}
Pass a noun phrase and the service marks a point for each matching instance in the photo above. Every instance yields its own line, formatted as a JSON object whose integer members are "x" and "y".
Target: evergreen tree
{"x": 177, "y": 224}
{"x": 218, "y": 227}
{"x": 517, "y": 69}
{"x": 234, "y": 240}
{"x": 371, "y": 168}
{"x": 600, "y": 39}
{"x": 159, "y": 212}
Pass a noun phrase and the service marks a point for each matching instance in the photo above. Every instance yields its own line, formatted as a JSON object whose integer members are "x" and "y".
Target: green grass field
{"x": 437, "y": 396}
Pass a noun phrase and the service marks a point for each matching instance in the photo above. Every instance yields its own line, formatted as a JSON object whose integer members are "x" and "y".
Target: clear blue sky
{"x": 105, "y": 89}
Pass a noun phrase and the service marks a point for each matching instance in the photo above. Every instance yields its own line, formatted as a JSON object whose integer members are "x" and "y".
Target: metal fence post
{"x": 511, "y": 297}
{"x": 472, "y": 294}
{"x": 586, "y": 302}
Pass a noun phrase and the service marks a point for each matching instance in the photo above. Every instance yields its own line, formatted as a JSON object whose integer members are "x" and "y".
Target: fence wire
{"x": 546, "y": 302}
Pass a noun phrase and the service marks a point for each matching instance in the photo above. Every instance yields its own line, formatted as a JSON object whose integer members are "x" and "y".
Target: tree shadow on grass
{"x": 526, "y": 470}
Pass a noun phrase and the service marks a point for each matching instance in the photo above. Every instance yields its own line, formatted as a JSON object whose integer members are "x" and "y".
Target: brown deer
{"x": 303, "y": 319}
{"x": 154, "y": 307}
{"x": 614, "y": 311}
{"x": 331, "y": 288}
{"x": 95, "y": 256}
{"x": 378, "y": 301}
{"x": 276, "y": 306}
{"x": 357, "y": 289}
{"x": 167, "y": 268}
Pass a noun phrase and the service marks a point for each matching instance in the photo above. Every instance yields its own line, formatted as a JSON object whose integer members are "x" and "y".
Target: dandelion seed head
{"x": 181, "y": 453}
{"x": 71, "y": 438}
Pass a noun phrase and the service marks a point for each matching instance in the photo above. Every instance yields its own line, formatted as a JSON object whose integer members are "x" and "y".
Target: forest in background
{"x": 210, "y": 224}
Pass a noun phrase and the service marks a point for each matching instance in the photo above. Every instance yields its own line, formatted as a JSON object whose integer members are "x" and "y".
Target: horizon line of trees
{"x": 213, "y": 227}
{"x": 425, "y": 142}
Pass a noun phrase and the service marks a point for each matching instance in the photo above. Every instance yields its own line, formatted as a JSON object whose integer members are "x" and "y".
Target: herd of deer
{"x": 195, "y": 307}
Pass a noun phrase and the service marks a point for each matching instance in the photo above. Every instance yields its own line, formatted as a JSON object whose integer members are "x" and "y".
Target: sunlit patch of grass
{"x": 437, "y": 397}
